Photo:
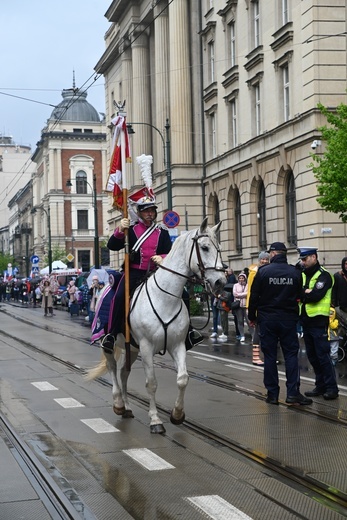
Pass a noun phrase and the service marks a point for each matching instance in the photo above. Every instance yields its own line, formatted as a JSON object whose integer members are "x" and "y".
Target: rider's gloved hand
{"x": 124, "y": 224}
{"x": 157, "y": 259}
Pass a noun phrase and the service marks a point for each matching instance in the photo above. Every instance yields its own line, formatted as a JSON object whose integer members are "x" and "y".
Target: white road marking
{"x": 239, "y": 368}
{"x": 69, "y": 402}
{"x": 217, "y": 508}
{"x": 44, "y": 386}
{"x": 99, "y": 425}
{"x": 148, "y": 459}
{"x": 203, "y": 359}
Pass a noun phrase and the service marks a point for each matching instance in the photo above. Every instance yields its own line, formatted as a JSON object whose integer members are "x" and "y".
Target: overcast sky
{"x": 42, "y": 42}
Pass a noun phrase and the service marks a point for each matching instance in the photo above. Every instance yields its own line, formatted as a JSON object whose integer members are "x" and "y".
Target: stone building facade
{"x": 239, "y": 82}
{"x": 70, "y": 174}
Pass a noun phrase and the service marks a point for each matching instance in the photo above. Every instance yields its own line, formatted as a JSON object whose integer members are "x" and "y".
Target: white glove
{"x": 157, "y": 259}
{"x": 124, "y": 224}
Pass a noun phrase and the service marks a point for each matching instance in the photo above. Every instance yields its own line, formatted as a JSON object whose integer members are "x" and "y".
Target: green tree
{"x": 58, "y": 253}
{"x": 5, "y": 259}
{"x": 331, "y": 168}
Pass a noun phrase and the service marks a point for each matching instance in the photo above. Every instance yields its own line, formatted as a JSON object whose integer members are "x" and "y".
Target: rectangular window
{"x": 211, "y": 60}
{"x": 81, "y": 185}
{"x": 213, "y": 146}
{"x": 285, "y": 75}
{"x": 233, "y": 116}
{"x": 285, "y": 13}
{"x": 257, "y": 109}
{"x": 232, "y": 44}
{"x": 256, "y": 23}
{"x": 82, "y": 219}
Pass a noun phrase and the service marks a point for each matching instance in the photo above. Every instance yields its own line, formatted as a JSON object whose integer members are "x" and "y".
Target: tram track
{"x": 333, "y": 499}
{"x": 51, "y": 495}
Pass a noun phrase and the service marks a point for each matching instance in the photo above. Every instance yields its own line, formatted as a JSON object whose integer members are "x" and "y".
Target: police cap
{"x": 277, "y": 246}
{"x": 307, "y": 251}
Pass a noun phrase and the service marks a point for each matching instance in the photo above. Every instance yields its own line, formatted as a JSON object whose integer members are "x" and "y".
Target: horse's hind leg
{"x": 179, "y": 356}
{"x": 124, "y": 375}
{"x": 118, "y": 403}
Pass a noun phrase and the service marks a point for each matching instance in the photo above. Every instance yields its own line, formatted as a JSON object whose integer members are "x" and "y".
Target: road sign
{"x": 34, "y": 259}
{"x": 173, "y": 234}
{"x": 70, "y": 257}
{"x": 171, "y": 219}
{"x": 35, "y": 269}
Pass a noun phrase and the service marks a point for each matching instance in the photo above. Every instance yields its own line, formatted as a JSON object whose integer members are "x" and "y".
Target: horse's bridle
{"x": 201, "y": 265}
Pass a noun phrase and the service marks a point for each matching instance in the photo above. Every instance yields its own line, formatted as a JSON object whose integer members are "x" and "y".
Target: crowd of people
{"x": 17, "y": 290}
{"x": 42, "y": 292}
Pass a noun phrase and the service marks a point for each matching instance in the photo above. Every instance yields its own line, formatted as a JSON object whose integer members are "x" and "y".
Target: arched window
{"x": 238, "y": 224}
{"x": 291, "y": 211}
{"x": 261, "y": 216}
{"x": 81, "y": 182}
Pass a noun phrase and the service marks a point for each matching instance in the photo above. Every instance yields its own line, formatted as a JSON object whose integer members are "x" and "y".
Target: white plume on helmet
{"x": 145, "y": 196}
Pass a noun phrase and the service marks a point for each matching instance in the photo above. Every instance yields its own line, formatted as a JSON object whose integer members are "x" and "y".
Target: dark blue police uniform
{"x": 315, "y": 320}
{"x": 274, "y": 304}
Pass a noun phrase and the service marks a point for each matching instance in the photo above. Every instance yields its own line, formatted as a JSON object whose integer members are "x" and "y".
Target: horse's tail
{"x": 97, "y": 371}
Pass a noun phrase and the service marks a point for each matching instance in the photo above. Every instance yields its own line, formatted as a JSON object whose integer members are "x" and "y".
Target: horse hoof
{"x": 177, "y": 421}
{"x": 119, "y": 411}
{"x": 128, "y": 414}
{"x": 157, "y": 428}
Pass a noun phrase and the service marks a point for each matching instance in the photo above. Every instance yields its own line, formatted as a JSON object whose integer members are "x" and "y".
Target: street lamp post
{"x": 48, "y": 213}
{"x": 167, "y": 155}
{"x": 96, "y": 231}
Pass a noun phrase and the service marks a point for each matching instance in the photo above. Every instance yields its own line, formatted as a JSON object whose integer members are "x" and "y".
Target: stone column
{"x": 127, "y": 77}
{"x": 161, "y": 32}
{"x": 141, "y": 100}
{"x": 180, "y": 84}
{"x": 127, "y": 95}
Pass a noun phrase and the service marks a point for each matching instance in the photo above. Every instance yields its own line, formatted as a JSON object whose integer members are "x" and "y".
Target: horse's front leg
{"x": 118, "y": 403}
{"x": 155, "y": 425}
{"x": 179, "y": 356}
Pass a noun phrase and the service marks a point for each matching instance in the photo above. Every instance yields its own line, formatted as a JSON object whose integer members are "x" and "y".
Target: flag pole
{"x": 121, "y": 112}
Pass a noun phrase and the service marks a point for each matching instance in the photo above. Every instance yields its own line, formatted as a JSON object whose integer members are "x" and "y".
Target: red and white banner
{"x": 115, "y": 181}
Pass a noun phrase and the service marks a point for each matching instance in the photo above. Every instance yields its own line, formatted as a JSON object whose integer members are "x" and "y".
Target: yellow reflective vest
{"x": 322, "y": 307}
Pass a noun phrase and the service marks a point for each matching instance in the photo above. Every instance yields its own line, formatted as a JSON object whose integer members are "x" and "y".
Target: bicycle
{"x": 341, "y": 353}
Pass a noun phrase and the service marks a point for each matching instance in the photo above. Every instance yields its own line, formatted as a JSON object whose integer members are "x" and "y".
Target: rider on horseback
{"x": 149, "y": 243}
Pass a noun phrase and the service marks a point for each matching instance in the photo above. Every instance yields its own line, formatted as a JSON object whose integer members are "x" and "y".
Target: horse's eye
{"x": 205, "y": 248}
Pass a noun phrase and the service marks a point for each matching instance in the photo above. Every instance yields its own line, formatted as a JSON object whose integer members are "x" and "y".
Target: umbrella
{"x": 102, "y": 275}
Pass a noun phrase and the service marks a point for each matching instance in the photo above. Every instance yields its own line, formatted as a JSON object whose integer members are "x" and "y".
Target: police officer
{"x": 274, "y": 307}
{"x": 316, "y": 299}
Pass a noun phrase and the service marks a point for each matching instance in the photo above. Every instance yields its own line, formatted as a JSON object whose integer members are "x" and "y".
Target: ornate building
{"x": 69, "y": 181}
{"x": 239, "y": 82}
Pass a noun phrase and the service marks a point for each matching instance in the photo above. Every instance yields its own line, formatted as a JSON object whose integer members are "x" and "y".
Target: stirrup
{"x": 194, "y": 338}
{"x": 108, "y": 343}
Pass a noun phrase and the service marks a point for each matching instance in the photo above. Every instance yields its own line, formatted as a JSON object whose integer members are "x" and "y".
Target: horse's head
{"x": 205, "y": 257}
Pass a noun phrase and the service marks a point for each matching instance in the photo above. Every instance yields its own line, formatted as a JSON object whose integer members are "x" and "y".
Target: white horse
{"x": 159, "y": 320}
